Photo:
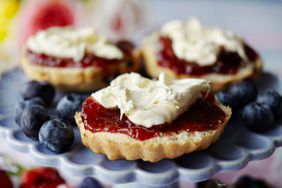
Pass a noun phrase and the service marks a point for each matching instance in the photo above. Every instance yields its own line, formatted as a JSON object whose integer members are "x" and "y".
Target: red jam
{"x": 202, "y": 116}
{"x": 88, "y": 60}
{"x": 226, "y": 63}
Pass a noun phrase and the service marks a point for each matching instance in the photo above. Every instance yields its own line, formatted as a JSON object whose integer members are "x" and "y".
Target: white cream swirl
{"x": 66, "y": 42}
{"x": 193, "y": 42}
{"x": 149, "y": 102}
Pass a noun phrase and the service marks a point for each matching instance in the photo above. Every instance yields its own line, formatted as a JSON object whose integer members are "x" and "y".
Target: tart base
{"x": 150, "y": 48}
{"x": 75, "y": 78}
{"x": 120, "y": 146}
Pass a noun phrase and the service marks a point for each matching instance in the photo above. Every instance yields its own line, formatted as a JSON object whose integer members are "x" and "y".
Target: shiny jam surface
{"x": 226, "y": 63}
{"x": 88, "y": 60}
{"x": 202, "y": 116}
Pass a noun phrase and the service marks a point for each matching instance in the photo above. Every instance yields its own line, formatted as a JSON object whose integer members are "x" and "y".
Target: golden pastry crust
{"x": 121, "y": 146}
{"x": 219, "y": 82}
{"x": 74, "y": 78}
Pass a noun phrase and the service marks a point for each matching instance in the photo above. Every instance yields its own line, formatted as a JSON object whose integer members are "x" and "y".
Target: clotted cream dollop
{"x": 193, "y": 42}
{"x": 67, "y": 42}
{"x": 149, "y": 102}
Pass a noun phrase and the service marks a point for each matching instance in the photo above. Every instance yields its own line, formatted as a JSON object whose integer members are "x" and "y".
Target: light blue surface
{"x": 233, "y": 151}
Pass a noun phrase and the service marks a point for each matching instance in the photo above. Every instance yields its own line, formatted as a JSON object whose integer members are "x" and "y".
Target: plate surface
{"x": 236, "y": 147}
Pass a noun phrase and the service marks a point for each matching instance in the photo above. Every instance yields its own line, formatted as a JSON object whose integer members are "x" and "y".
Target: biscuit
{"x": 76, "y": 78}
{"x": 149, "y": 51}
{"x": 120, "y": 146}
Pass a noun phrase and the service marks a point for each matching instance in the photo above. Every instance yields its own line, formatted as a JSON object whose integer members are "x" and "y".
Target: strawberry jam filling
{"x": 204, "y": 115}
{"x": 88, "y": 60}
{"x": 226, "y": 63}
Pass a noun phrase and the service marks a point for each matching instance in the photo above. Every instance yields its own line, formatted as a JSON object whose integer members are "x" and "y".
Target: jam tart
{"x": 188, "y": 49}
{"x": 138, "y": 118}
{"x": 76, "y": 59}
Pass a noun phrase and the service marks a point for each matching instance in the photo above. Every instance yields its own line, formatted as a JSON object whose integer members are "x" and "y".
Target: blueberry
{"x": 32, "y": 119}
{"x": 211, "y": 184}
{"x": 245, "y": 182}
{"x": 56, "y": 135}
{"x": 229, "y": 100}
{"x": 272, "y": 99}
{"x": 68, "y": 105}
{"x": 257, "y": 117}
{"x": 39, "y": 89}
{"x": 246, "y": 91}
{"x": 90, "y": 182}
{"x": 21, "y": 105}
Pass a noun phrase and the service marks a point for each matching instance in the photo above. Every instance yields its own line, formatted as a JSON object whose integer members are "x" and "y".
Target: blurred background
{"x": 259, "y": 22}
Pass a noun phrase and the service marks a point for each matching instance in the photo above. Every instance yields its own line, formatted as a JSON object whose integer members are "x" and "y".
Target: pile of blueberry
{"x": 242, "y": 182}
{"x": 258, "y": 110}
{"x": 54, "y": 131}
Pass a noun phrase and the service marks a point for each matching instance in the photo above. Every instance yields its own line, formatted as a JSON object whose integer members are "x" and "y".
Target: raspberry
{"x": 5, "y": 180}
{"x": 42, "y": 177}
